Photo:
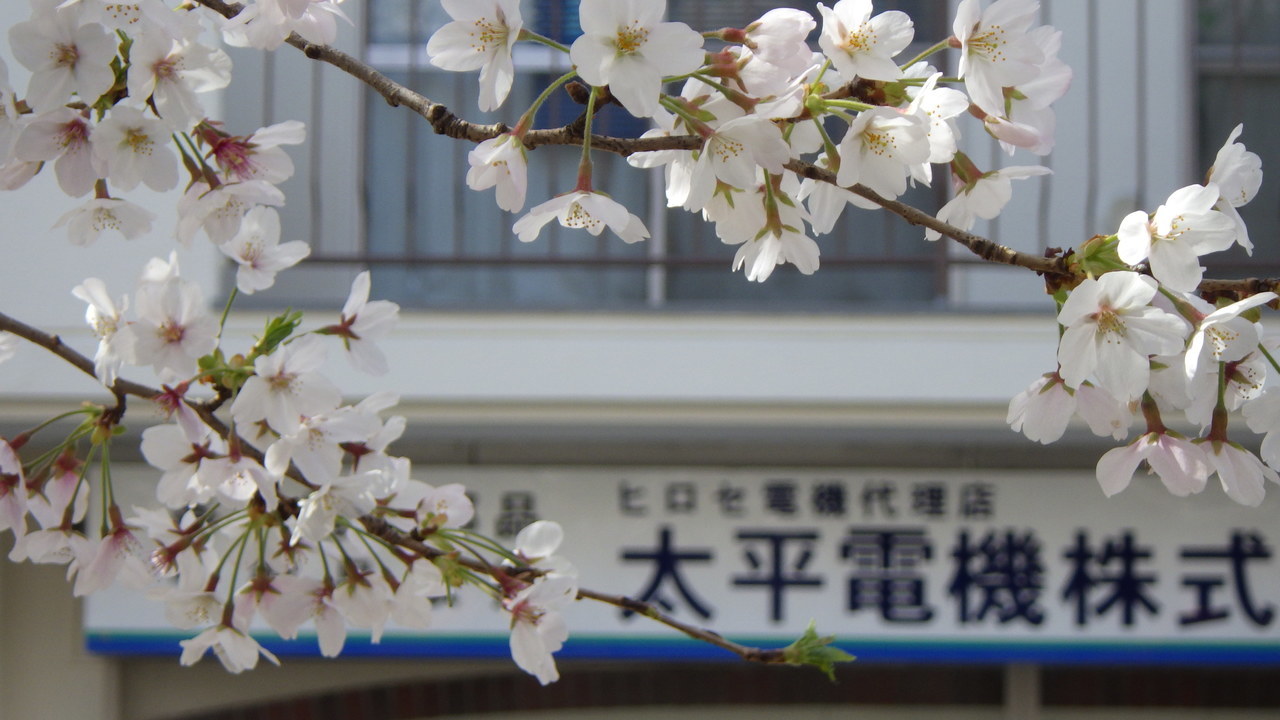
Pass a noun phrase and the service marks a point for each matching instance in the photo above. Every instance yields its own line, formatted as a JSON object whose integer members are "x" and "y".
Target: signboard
{"x": 900, "y": 565}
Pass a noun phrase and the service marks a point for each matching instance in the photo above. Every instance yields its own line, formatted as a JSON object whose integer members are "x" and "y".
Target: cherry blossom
{"x": 286, "y": 387}
{"x": 481, "y": 36}
{"x": 173, "y": 328}
{"x": 996, "y": 49}
{"x": 170, "y": 73}
{"x": 982, "y": 197}
{"x": 64, "y": 55}
{"x": 1223, "y": 336}
{"x": 500, "y": 163}
{"x": 879, "y": 148}
{"x": 266, "y": 23}
{"x": 626, "y": 45}
{"x": 131, "y": 148}
{"x": 1180, "y": 464}
{"x": 237, "y": 650}
{"x": 731, "y": 155}
{"x": 863, "y": 46}
{"x": 362, "y": 324}
{"x": 104, "y": 316}
{"x": 86, "y": 223}
{"x": 62, "y": 135}
{"x": 1110, "y": 331}
{"x": 1185, "y": 227}
{"x": 253, "y": 157}
{"x": 219, "y": 211}
{"x": 1043, "y": 411}
{"x": 590, "y": 211}
{"x": 256, "y": 248}
{"x": 1240, "y": 472}
{"x": 779, "y": 38}
{"x": 537, "y": 627}
{"x": 1238, "y": 175}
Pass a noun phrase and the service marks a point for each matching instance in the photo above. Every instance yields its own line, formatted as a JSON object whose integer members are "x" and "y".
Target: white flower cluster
{"x": 282, "y": 505}
{"x": 1146, "y": 343}
{"x": 761, "y": 102}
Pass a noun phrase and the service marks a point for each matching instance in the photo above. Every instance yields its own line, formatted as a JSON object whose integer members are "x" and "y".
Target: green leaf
{"x": 278, "y": 330}
{"x": 815, "y": 650}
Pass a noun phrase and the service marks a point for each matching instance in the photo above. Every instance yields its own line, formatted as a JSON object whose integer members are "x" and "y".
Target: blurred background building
{"x": 852, "y": 410}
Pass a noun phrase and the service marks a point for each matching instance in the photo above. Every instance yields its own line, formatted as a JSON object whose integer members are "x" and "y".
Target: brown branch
{"x": 54, "y": 344}
{"x": 752, "y": 654}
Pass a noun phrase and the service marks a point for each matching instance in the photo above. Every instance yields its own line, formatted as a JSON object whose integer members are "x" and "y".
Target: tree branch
{"x": 54, "y": 344}
{"x": 373, "y": 523}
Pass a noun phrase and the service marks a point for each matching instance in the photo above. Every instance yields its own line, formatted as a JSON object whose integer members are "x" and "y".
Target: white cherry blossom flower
{"x": 481, "y": 36}
{"x": 172, "y": 72}
{"x": 219, "y": 211}
{"x": 537, "y": 627}
{"x": 362, "y": 324}
{"x": 347, "y": 496}
{"x": 173, "y": 328}
{"x": 411, "y": 603}
{"x": 1180, "y": 464}
{"x": 1043, "y": 411}
{"x": 983, "y": 197}
{"x": 500, "y": 163}
{"x": 769, "y": 226}
{"x": 863, "y": 46}
{"x": 996, "y": 50}
{"x": 119, "y": 552}
{"x": 64, "y": 55}
{"x": 1238, "y": 175}
{"x": 586, "y": 210}
{"x": 287, "y": 386}
{"x": 266, "y": 23}
{"x": 1111, "y": 329}
{"x": 938, "y": 106}
{"x": 104, "y": 316}
{"x": 235, "y": 478}
{"x": 1029, "y": 121}
{"x": 445, "y": 506}
{"x": 131, "y": 148}
{"x": 64, "y": 137}
{"x": 253, "y": 157}
{"x": 1263, "y": 416}
{"x": 258, "y": 251}
{"x": 314, "y": 446}
{"x": 86, "y": 223}
{"x": 1224, "y": 336}
{"x": 169, "y": 449}
{"x": 626, "y": 45}
{"x": 733, "y": 154}
{"x": 1185, "y": 227}
{"x": 237, "y": 650}
{"x": 879, "y": 148}
{"x": 779, "y": 38}
{"x": 1240, "y": 472}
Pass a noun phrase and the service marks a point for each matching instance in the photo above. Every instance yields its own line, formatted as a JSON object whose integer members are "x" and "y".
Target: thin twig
{"x": 753, "y": 654}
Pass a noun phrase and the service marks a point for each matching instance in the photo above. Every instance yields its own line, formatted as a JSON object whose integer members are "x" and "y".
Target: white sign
{"x": 939, "y": 565}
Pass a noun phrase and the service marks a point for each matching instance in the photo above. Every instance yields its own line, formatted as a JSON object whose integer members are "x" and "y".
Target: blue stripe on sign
{"x": 612, "y": 648}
